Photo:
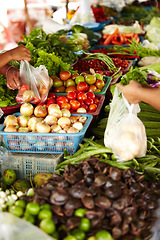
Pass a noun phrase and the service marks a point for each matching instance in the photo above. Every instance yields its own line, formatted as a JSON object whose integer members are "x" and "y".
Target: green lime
{"x": 9, "y": 176}
{"x": 48, "y": 226}
{"x": 16, "y": 210}
{"x": 85, "y": 224}
{"x": 80, "y": 212}
{"x": 78, "y": 234}
{"x": 44, "y": 213}
{"x": 29, "y": 218}
{"x": 45, "y": 206}
{"x": 69, "y": 237}
{"x": 20, "y": 203}
{"x": 33, "y": 208}
{"x": 103, "y": 235}
{"x": 91, "y": 238}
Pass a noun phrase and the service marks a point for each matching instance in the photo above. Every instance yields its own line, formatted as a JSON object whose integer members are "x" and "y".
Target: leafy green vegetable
{"x": 136, "y": 48}
{"x": 7, "y": 96}
{"x": 138, "y": 74}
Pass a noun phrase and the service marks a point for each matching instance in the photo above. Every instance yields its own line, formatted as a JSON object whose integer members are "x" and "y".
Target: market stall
{"x": 77, "y": 160}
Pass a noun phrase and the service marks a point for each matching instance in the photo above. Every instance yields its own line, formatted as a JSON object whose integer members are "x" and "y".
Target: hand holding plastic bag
{"x": 35, "y": 83}
{"x": 125, "y": 133}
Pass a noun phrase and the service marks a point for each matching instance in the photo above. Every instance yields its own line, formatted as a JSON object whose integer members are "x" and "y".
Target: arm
{"x": 18, "y": 53}
{"x": 12, "y": 73}
{"x": 135, "y": 93}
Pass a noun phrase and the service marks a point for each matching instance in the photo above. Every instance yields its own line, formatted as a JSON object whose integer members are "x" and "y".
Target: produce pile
{"x": 92, "y": 200}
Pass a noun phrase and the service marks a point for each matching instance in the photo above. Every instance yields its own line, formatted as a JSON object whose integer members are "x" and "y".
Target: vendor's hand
{"x": 12, "y": 76}
{"x": 130, "y": 91}
{"x": 20, "y": 53}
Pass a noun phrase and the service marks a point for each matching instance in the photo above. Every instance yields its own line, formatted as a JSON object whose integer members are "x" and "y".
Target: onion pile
{"x": 44, "y": 120}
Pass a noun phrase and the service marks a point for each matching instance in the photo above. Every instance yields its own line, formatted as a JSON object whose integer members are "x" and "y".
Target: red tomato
{"x": 43, "y": 89}
{"x": 91, "y": 95}
{"x": 65, "y": 105}
{"x": 70, "y": 89}
{"x": 92, "y": 88}
{"x": 64, "y": 75}
{"x": 51, "y": 95}
{"x": 82, "y": 87}
{"x": 83, "y": 105}
{"x": 100, "y": 84}
{"x": 74, "y": 104}
{"x": 96, "y": 100}
{"x": 72, "y": 96}
{"x": 92, "y": 107}
{"x": 60, "y": 89}
{"x": 61, "y": 99}
{"x": 50, "y": 101}
{"x": 19, "y": 98}
{"x": 89, "y": 101}
{"x": 36, "y": 100}
{"x": 23, "y": 88}
{"x": 81, "y": 96}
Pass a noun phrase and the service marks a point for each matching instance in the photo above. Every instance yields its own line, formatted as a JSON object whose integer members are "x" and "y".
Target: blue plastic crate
{"x": 44, "y": 143}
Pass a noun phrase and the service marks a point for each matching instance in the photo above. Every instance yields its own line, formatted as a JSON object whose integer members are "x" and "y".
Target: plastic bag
{"x": 125, "y": 133}
{"x": 14, "y": 228}
{"x": 84, "y": 14}
{"x": 35, "y": 83}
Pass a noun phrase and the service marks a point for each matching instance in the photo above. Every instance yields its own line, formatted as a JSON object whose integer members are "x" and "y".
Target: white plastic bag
{"x": 14, "y": 228}
{"x": 125, "y": 133}
{"x": 35, "y": 82}
{"x": 84, "y": 14}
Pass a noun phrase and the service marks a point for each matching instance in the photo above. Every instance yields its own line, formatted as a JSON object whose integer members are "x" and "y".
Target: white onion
{"x": 11, "y": 120}
{"x": 81, "y": 110}
{"x": 26, "y": 109}
{"x": 32, "y": 123}
{"x": 78, "y": 125}
{"x": 55, "y": 128}
{"x": 54, "y": 111}
{"x": 65, "y": 112}
{"x": 28, "y": 96}
{"x": 74, "y": 118}
{"x": 64, "y": 121}
{"x": 83, "y": 119}
{"x": 51, "y": 120}
{"x": 42, "y": 127}
{"x": 23, "y": 120}
{"x": 10, "y": 128}
{"x": 23, "y": 129}
{"x": 72, "y": 130}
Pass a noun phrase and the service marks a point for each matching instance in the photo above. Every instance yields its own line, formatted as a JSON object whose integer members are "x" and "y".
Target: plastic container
{"x": 11, "y": 109}
{"x": 26, "y": 164}
{"x": 97, "y": 112}
{"x": 104, "y": 90}
{"x": 44, "y": 143}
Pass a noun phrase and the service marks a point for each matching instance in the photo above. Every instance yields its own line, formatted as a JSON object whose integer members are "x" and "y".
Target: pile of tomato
{"x": 80, "y": 102}
{"x": 83, "y": 82}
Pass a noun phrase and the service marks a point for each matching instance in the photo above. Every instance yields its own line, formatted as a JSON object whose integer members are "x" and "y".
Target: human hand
{"x": 20, "y": 53}
{"x": 12, "y": 76}
{"x": 130, "y": 91}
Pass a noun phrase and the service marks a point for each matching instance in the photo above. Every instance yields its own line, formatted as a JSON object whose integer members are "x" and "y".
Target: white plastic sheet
{"x": 14, "y": 228}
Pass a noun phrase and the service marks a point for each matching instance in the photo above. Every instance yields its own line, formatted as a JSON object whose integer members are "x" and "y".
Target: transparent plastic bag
{"x": 14, "y": 228}
{"x": 35, "y": 83}
{"x": 125, "y": 133}
{"x": 84, "y": 14}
